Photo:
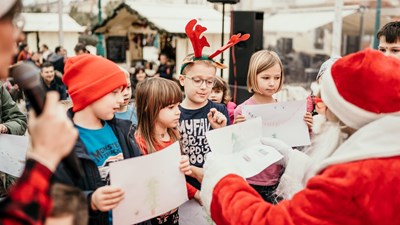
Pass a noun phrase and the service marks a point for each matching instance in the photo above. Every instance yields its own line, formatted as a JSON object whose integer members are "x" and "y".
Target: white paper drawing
{"x": 282, "y": 120}
{"x": 13, "y": 150}
{"x": 240, "y": 146}
{"x": 153, "y": 185}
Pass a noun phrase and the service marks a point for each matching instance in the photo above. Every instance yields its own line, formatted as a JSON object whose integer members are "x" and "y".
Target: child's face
{"x": 127, "y": 93}
{"x": 168, "y": 117}
{"x": 105, "y": 107}
{"x": 198, "y": 83}
{"x": 392, "y": 49}
{"x": 268, "y": 80}
{"x": 141, "y": 75}
{"x": 216, "y": 95}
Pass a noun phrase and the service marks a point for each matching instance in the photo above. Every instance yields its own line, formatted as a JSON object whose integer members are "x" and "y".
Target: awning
{"x": 48, "y": 22}
{"x": 300, "y": 22}
{"x": 169, "y": 18}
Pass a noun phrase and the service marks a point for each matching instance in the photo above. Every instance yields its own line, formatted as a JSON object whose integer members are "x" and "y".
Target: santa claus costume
{"x": 357, "y": 183}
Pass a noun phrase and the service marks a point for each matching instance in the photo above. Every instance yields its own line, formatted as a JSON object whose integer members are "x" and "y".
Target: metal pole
{"x": 99, "y": 45}
{"x": 60, "y": 23}
{"x": 337, "y": 28}
{"x": 361, "y": 33}
{"x": 222, "y": 36}
{"x": 377, "y": 23}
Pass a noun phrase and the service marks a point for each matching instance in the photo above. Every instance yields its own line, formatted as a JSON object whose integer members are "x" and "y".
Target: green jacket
{"x": 10, "y": 115}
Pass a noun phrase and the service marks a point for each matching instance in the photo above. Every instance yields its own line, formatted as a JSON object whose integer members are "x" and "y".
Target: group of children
{"x": 100, "y": 92}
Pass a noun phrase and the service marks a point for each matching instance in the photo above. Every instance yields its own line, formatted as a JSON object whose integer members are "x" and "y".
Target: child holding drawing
{"x": 198, "y": 113}
{"x": 265, "y": 78}
{"x": 157, "y": 102}
{"x": 95, "y": 85}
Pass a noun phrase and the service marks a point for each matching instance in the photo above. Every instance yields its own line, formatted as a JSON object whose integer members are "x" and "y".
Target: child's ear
{"x": 182, "y": 80}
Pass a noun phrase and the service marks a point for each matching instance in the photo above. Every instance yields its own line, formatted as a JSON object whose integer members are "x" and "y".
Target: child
{"x": 265, "y": 78}
{"x": 69, "y": 206}
{"x": 138, "y": 76}
{"x": 158, "y": 112}
{"x": 127, "y": 111}
{"x": 220, "y": 93}
{"x": 198, "y": 114}
{"x": 95, "y": 85}
{"x": 389, "y": 39}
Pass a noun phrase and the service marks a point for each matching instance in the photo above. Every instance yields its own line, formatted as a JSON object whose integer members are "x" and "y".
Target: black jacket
{"x": 124, "y": 132}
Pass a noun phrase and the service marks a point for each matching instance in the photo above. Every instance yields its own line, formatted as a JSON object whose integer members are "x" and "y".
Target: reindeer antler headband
{"x": 194, "y": 32}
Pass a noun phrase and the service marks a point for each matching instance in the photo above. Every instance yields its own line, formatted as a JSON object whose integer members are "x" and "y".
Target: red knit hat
{"x": 362, "y": 87}
{"x": 89, "y": 77}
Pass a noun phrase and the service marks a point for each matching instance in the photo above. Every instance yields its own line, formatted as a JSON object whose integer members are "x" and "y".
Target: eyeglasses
{"x": 198, "y": 82}
{"x": 19, "y": 22}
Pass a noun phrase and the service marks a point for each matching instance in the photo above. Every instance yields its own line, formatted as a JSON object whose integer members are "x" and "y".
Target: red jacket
{"x": 346, "y": 194}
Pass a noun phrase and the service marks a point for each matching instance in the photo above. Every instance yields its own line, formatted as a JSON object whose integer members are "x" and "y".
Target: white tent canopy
{"x": 300, "y": 22}
{"x": 49, "y": 22}
{"x": 173, "y": 17}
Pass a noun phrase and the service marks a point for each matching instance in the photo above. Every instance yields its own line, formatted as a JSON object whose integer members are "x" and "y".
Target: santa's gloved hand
{"x": 215, "y": 168}
{"x": 278, "y": 145}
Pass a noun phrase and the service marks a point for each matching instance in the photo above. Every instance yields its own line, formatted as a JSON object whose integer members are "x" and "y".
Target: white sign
{"x": 241, "y": 147}
{"x": 282, "y": 120}
{"x": 153, "y": 185}
{"x": 13, "y": 150}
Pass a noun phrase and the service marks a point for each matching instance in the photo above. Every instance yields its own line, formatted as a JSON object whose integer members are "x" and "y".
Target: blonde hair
{"x": 152, "y": 95}
{"x": 221, "y": 84}
{"x": 261, "y": 61}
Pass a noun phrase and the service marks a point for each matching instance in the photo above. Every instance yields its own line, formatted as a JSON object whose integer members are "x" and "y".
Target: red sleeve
{"x": 234, "y": 202}
{"x": 190, "y": 190}
{"x": 29, "y": 201}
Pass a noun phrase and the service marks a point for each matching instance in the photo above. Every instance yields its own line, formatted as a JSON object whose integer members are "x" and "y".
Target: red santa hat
{"x": 362, "y": 87}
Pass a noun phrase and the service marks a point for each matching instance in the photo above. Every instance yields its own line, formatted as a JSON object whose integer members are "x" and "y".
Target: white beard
{"x": 301, "y": 166}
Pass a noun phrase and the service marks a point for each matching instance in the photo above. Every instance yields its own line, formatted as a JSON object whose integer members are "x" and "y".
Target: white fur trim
{"x": 379, "y": 139}
{"x": 214, "y": 170}
{"x": 349, "y": 114}
{"x": 292, "y": 180}
{"x": 6, "y": 6}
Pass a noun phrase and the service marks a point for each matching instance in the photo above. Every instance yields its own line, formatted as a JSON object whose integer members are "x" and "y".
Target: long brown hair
{"x": 152, "y": 95}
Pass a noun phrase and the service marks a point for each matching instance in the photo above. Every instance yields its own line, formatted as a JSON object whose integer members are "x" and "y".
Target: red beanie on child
{"x": 89, "y": 77}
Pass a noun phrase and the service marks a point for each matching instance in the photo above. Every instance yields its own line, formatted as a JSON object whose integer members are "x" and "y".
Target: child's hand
{"x": 197, "y": 173}
{"x": 184, "y": 165}
{"x": 309, "y": 120}
{"x": 106, "y": 198}
{"x": 217, "y": 119}
{"x": 197, "y": 198}
{"x": 239, "y": 119}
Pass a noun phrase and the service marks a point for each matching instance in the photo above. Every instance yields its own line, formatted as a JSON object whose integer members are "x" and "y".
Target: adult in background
{"x": 51, "y": 82}
{"x": 164, "y": 69}
{"x": 52, "y": 137}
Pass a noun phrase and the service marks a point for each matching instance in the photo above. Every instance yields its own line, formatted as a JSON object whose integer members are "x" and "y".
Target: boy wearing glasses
{"x": 198, "y": 114}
